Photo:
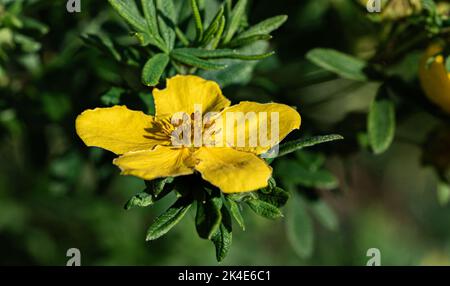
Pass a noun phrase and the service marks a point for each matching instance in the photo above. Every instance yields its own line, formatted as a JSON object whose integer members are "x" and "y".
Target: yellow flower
{"x": 434, "y": 78}
{"x": 145, "y": 143}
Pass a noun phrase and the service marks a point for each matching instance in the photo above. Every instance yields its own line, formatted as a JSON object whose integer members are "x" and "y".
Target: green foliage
{"x": 299, "y": 228}
{"x": 158, "y": 26}
{"x": 169, "y": 219}
{"x": 209, "y": 216}
{"x": 299, "y": 144}
{"x": 344, "y": 65}
{"x": 55, "y": 192}
{"x": 154, "y": 68}
{"x": 381, "y": 125}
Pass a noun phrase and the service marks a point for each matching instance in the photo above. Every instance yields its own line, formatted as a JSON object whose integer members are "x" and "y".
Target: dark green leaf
{"x": 208, "y": 217}
{"x": 292, "y": 146}
{"x": 277, "y": 197}
{"x": 208, "y": 54}
{"x": 342, "y": 64}
{"x": 236, "y": 213}
{"x": 198, "y": 20}
{"x": 167, "y": 21}
{"x": 235, "y": 19}
{"x": 223, "y": 237}
{"x": 156, "y": 186}
{"x": 104, "y": 44}
{"x": 381, "y": 125}
{"x": 169, "y": 219}
{"x": 264, "y": 27}
{"x": 248, "y": 40}
{"x": 238, "y": 72}
{"x": 154, "y": 68}
{"x": 146, "y": 39}
{"x": 142, "y": 199}
{"x": 299, "y": 228}
{"x": 265, "y": 209}
{"x": 222, "y": 53}
{"x": 216, "y": 39}
{"x": 213, "y": 27}
{"x": 191, "y": 60}
{"x": 182, "y": 37}
{"x": 128, "y": 10}
{"x": 151, "y": 16}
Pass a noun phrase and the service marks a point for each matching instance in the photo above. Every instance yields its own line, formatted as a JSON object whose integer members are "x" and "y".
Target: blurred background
{"x": 56, "y": 194}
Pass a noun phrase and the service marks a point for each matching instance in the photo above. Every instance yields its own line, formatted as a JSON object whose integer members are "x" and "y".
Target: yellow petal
{"x": 247, "y": 126}
{"x": 232, "y": 171}
{"x": 157, "y": 163}
{"x": 434, "y": 78}
{"x": 119, "y": 130}
{"x": 184, "y": 92}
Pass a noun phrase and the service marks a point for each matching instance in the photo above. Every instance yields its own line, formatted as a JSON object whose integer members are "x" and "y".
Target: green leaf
{"x": 27, "y": 44}
{"x": 182, "y": 37}
{"x": 236, "y": 212}
{"x": 325, "y": 215}
{"x": 32, "y": 24}
{"x": 169, "y": 219}
{"x": 216, "y": 39}
{"x": 265, "y": 209}
{"x": 154, "y": 68}
{"x": 221, "y": 53}
{"x": 292, "y": 173}
{"x": 112, "y": 96}
{"x": 264, "y": 27}
{"x": 277, "y": 197}
{"x": 310, "y": 160}
{"x": 241, "y": 42}
{"x": 299, "y": 228}
{"x": 128, "y": 10}
{"x": 142, "y": 199}
{"x": 149, "y": 103}
{"x": 208, "y": 54}
{"x": 295, "y": 145}
{"x": 150, "y": 16}
{"x": 198, "y": 20}
{"x": 213, "y": 27}
{"x": 237, "y": 72}
{"x": 235, "y": 19}
{"x": 223, "y": 237}
{"x": 208, "y": 217}
{"x": 381, "y": 125}
{"x": 167, "y": 21}
{"x": 102, "y": 43}
{"x": 191, "y": 60}
{"x": 443, "y": 193}
{"x": 342, "y": 64}
{"x": 146, "y": 39}
{"x": 156, "y": 186}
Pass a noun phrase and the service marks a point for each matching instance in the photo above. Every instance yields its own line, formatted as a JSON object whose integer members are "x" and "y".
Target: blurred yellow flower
{"x": 434, "y": 77}
{"x": 145, "y": 143}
